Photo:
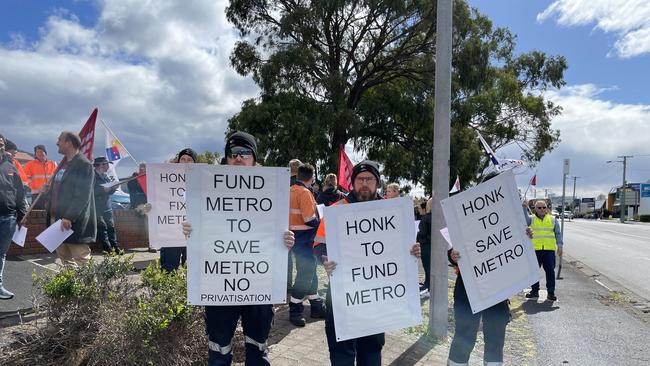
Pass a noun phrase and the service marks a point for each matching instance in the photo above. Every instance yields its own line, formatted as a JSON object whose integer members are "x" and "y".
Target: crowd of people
{"x": 76, "y": 192}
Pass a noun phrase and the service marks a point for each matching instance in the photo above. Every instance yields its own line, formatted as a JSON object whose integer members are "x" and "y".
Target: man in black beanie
{"x": 221, "y": 321}
{"x": 366, "y": 350}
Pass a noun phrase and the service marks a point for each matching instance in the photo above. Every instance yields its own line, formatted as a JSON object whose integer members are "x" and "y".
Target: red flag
{"x": 142, "y": 181}
{"x": 87, "y": 136}
{"x": 533, "y": 182}
{"x": 345, "y": 170}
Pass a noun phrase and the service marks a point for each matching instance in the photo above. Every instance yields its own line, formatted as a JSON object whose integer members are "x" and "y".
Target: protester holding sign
{"x": 221, "y": 321}
{"x": 495, "y": 318}
{"x": 103, "y": 210}
{"x": 173, "y": 257}
{"x": 12, "y": 208}
{"x": 367, "y": 349}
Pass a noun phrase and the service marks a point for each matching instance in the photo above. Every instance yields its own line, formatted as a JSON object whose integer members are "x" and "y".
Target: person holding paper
{"x": 303, "y": 221}
{"x": 221, "y": 321}
{"x": 103, "y": 210}
{"x": 72, "y": 199}
{"x": 365, "y": 350}
{"x": 547, "y": 238}
{"x": 12, "y": 208}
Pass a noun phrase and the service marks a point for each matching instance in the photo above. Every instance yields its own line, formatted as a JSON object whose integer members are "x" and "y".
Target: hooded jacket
{"x": 12, "y": 192}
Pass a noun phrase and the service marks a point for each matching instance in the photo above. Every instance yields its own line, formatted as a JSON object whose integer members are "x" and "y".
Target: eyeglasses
{"x": 540, "y": 208}
{"x": 367, "y": 180}
{"x": 244, "y": 152}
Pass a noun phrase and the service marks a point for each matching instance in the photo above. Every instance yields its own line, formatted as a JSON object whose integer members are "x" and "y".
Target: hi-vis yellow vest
{"x": 543, "y": 233}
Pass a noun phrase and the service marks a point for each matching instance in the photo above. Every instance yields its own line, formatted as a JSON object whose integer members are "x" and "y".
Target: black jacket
{"x": 75, "y": 199}
{"x": 424, "y": 230}
{"x": 12, "y": 192}
{"x": 329, "y": 196}
{"x": 102, "y": 198}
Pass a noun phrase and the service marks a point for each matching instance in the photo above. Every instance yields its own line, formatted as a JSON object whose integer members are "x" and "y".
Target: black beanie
{"x": 366, "y": 166}
{"x": 241, "y": 139}
{"x": 40, "y": 147}
{"x": 187, "y": 151}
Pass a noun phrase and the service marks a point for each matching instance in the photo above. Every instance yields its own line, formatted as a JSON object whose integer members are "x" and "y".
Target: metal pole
{"x": 573, "y": 202}
{"x": 623, "y": 189}
{"x": 563, "y": 202}
{"x": 440, "y": 181}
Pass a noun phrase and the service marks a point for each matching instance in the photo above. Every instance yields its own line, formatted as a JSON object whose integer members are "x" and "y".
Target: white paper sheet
{"x": 111, "y": 184}
{"x": 20, "y": 235}
{"x": 320, "y": 210}
{"x": 53, "y": 236}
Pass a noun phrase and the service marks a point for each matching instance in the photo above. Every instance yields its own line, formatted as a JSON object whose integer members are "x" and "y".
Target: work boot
{"x": 318, "y": 310}
{"x": 295, "y": 314}
{"x": 532, "y": 295}
{"x": 5, "y": 294}
{"x": 551, "y": 296}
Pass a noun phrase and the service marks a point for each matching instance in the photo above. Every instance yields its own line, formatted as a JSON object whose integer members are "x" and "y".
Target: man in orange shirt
{"x": 39, "y": 171}
{"x": 303, "y": 221}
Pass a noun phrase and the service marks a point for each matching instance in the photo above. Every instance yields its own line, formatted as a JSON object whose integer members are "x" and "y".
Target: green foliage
{"x": 208, "y": 157}
{"x": 340, "y": 71}
{"x": 644, "y": 218}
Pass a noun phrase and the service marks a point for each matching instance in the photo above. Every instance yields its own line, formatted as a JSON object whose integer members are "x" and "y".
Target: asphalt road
{"x": 621, "y": 252}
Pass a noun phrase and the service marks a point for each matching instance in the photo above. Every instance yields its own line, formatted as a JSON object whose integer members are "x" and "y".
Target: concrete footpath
{"x": 589, "y": 325}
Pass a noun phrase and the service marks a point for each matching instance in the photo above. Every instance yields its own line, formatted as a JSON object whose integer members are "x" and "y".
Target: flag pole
{"x": 113, "y": 133}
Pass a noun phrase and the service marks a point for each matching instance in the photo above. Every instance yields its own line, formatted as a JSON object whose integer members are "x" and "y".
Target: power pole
{"x": 624, "y": 187}
{"x": 438, "y": 303}
{"x": 573, "y": 202}
{"x": 565, "y": 172}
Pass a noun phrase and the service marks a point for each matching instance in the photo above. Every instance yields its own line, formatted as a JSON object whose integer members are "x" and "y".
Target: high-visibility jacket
{"x": 302, "y": 209}
{"x": 38, "y": 173}
{"x": 543, "y": 233}
{"x": 320, "y": 232}
{"x": 21, "y": 171}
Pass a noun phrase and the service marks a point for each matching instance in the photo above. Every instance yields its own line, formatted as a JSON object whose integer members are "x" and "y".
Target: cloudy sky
{"x": 159, "y": 73}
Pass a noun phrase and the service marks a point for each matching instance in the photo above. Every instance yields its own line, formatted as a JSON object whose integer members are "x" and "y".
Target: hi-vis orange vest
{"x": 320, "y": 232}
{"x": 39, "y": 173}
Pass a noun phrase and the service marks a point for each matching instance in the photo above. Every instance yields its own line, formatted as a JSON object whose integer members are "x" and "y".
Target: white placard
{"x": 236, "y": 253}
{"x": 20, "y": 234}
{"x": 375, "y": 284}
{"x": 166, "y": 194}
{"x": 320, "y": 210}
{"x": 487, "y": 227}
{"x": 111, "y": 184}
{"x": 52, "y": 237}
{"x": 445, "y": 234}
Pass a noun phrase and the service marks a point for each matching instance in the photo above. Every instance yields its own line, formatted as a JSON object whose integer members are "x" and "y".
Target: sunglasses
{"x": 540, "y": 208}
{"x": 244, "y": 152}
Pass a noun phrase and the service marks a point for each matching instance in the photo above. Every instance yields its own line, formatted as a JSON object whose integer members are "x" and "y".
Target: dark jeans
{"x": 495, "y": 319}
{"x": 172, "y": 257}
{"x": 426, "y": 263}
{"x": 306, "y": 282}
{"x": 221, "y": 322}
{"x": 7, "y": 228}
{"x": 546, "y": 259}
{"x": 366, "y": 350}
{"x": 106, "y": 231}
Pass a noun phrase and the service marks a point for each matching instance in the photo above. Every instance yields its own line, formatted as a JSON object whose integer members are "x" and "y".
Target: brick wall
{"x": 131, "y": 232}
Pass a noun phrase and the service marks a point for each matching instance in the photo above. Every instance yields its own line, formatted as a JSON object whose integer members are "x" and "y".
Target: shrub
{"x": 644, "y": 218}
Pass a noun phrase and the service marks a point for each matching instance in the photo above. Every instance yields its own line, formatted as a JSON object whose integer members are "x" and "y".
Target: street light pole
{"x": 573, "y": 202}
{"x": 623, "y": 188}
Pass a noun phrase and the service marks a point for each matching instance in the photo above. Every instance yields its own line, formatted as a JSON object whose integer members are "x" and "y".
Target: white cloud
{"x": 158, "y": 71}
{"x": 629, "y": 19}
{"x": 594, "y": 130}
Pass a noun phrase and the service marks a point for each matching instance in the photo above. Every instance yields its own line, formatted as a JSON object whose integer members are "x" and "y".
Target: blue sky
{"x": 160, "y": 75}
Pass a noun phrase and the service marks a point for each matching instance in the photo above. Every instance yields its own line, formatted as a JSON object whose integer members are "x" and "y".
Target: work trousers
{"x": 172, "y": 257}
{"x": 306, "y": 282}
{"x": 221, "y": 322}
{"x": 546, "y": 259}
{"x": 495, "y": 319}
{"x": 106, "y": 231}
{"x": 365, "y": 350}
{"x": 73, "y": 255}
{"x": 426, "y": 264}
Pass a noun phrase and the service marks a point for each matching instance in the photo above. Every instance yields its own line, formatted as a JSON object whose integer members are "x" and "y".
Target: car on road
{"x": 567, "y": 215}
{"x": 555, "y": 214}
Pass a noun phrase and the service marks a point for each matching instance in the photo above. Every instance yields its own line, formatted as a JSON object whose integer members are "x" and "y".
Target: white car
{"x": 567, "y": 215}
{"x": 555, "y": 214}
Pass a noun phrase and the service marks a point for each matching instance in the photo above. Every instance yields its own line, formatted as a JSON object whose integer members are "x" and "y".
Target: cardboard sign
{"x": 487, "y": 227}
{"x": 166, "y": 194}
{"x": 236, "y": 253}
{"x": 375, "y": 284}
